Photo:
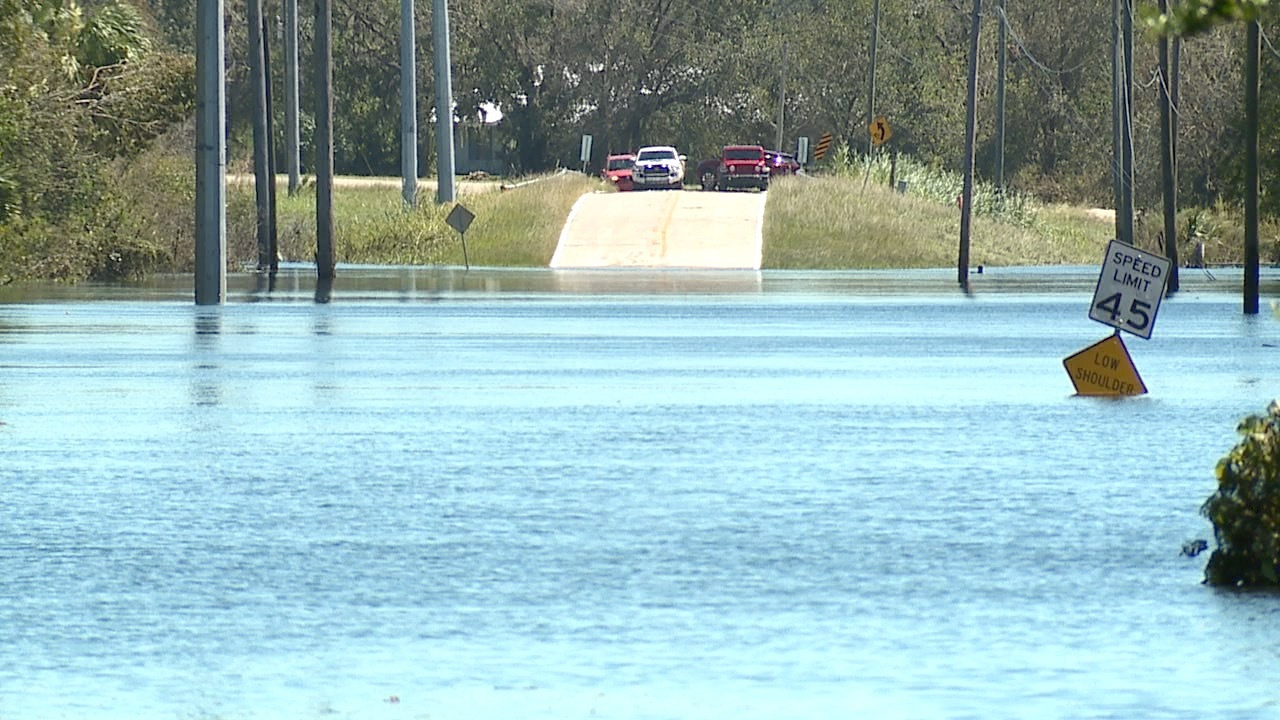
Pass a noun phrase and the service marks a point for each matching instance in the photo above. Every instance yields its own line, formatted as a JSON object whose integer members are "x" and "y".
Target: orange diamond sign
{"x": 1104, "y": 368}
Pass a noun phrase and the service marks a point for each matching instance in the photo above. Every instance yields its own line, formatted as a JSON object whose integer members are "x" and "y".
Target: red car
{"x": 742, "y": 166}
{"x": 617, "y": 170}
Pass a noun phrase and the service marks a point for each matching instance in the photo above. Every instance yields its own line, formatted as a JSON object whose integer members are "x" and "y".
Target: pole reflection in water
{"x": 206, "y": 388}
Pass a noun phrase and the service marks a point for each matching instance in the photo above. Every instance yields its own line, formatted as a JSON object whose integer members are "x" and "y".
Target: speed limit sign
{"x": 1130, "y": 288}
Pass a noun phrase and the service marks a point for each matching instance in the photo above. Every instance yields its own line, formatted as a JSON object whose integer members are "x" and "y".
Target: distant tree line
{"x": 88, "y": 86}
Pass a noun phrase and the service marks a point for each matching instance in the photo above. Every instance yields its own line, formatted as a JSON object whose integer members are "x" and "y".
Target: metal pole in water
{"x": 324, "y": 139}
{"x": 1001, "y": 72}
{"x": 262, "y": 176}
{"x": 1117, "y": 192}
{"x": 291, "y": 134}
{"x": 408, "y": 105}
{"x": 1126, "y": 133}
{"x": 1252, "y": 50}
{"x": 970, "y": 131}
{"x": 444, "y": 102}
{"x": 871, "y": 82}
{"x": 273, "y": 236}
{"x": 1168, "y": 170}
{"x": 211, "y": 170}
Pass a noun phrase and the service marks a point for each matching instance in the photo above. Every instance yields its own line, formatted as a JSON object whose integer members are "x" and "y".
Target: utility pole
{"x": 1117, "y": 187}
{"x": 970, "y": 133}
{"x": 211, "y": 153}
{"x": 293, "y": 158}
{"x": 324, "y": 140}
{"x": 1168, "y": 168}
{"x": 871, "y": 82}
{"x": 1252, "y": 50}
{"x": 1122, "y": 116}
{"x": 1126, "y": 132}
{"x": 782, "y": 96}
{"x": 261, "y": 172}
{"x": 444, "y": 102}
{"x": 274, "y": 249}
{"x": 408, "y": 106}
{"x": 1001, "y": 60}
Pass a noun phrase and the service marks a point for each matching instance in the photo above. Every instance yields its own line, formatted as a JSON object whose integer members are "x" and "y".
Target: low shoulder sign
{"x": 1129, "y": 290}
{"x": 1105, "y": 368}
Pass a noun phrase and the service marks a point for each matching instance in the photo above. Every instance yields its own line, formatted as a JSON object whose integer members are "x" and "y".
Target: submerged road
{"x": 663, "y": 229}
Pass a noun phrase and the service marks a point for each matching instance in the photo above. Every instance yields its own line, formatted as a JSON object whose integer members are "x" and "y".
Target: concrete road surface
{"x": 663, "y": 229}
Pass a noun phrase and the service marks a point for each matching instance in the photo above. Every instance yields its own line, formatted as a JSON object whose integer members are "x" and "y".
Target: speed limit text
{"x": 1134, "y": 271}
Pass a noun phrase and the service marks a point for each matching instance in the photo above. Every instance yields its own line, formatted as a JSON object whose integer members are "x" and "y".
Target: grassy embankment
{"x": 836, "y": 223}
{"x": 847, "y": 220}
{"x": 810, "y": 223}
{"x": 516, "y": 227}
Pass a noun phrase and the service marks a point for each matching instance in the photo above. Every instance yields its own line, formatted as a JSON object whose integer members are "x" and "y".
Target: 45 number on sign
{"x": 1137, "y": 310}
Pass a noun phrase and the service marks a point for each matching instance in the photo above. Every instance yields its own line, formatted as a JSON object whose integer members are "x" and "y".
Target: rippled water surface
{"x": 529, "y": 494}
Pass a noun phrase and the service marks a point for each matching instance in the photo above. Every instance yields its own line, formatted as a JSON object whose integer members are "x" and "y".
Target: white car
{"x": 659, "y": 166}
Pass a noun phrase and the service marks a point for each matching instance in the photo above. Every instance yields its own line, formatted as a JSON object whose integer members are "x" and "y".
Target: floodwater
{"x": 620, "y": 494}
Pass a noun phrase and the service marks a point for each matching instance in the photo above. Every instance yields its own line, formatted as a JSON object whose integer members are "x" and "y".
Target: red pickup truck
{"x": 739, "y": 166}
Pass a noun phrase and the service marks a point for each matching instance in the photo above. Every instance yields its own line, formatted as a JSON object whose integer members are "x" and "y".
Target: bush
{"x": 145, "y": 222}
{"x": 1245, "y": 510}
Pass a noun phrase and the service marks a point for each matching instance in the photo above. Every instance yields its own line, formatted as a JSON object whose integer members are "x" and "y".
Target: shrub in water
{"x": 1245, "y": 510}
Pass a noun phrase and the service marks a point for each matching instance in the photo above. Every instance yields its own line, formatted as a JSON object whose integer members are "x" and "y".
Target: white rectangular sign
{"x": 1129, "y": 290}
{"x": 585, "y": 155}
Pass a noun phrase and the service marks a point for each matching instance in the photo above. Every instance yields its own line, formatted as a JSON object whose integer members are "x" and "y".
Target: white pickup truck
{"x": 658, "y": 166}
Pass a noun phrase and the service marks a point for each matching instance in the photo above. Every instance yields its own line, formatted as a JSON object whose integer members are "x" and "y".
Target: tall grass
{"x": 835, "y": 222}
{"x": 933, "y": 183}
{"x": 516, "y": 227}
{"x": 520, "y": 226}
{"x": 371, "y": 225}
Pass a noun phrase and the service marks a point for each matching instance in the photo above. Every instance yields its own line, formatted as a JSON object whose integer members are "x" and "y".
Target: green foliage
{"x": 42, "y": 131}
{"x": 8, "y": 196}
{"x": 1245, "y": 509}
{"x": 934, "y": 183}
{"x": 78, "y": 88}
{"x": 113, "y": 34}
{"x": 1195, "y": 17}
{"x": 131, "y": 104}
{"x": 146, "y": 219}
